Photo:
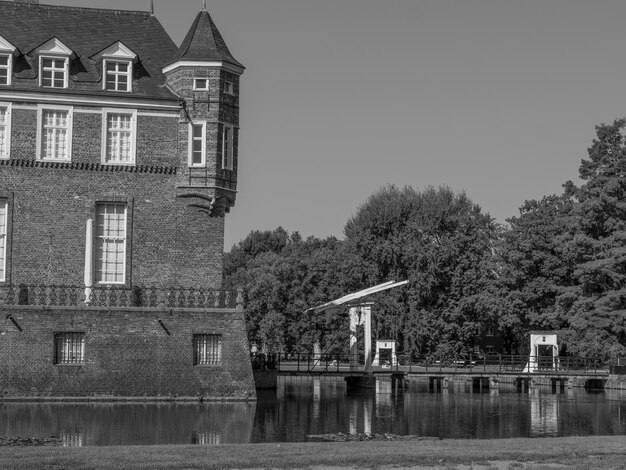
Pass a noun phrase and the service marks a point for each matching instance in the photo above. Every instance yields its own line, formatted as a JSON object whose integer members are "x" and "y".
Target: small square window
{"x": 228, "y": 88}
{"x": 207, "y": 349}
{"x": 201, "y": 84}
{"x": 69, "y": 348}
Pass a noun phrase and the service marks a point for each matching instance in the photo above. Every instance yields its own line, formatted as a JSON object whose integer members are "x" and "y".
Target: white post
{"x": 354, "y": 352}
{"x": 88, "y": 260}
{"x": 367, "y": 318}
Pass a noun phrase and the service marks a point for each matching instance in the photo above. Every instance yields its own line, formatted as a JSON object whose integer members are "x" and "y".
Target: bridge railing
{"x": 502, "y": 363}
{"x": 496, "y": 363}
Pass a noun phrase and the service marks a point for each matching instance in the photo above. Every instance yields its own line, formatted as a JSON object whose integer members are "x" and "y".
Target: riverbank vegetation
{"x": 560, "y": 265}
{"x": 598, "y": 452}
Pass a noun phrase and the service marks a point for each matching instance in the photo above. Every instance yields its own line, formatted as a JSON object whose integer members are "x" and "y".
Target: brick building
{"x": 118, "y": 163}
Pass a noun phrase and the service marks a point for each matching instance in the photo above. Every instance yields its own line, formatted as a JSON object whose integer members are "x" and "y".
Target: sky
{"x": 497, "y": 98}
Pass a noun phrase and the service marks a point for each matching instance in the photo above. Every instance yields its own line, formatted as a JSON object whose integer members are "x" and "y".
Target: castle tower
{"x": 206, "y": 76}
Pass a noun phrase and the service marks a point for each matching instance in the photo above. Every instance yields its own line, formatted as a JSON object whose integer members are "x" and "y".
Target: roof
{"x": 88, "y": 31}
{"x": 204, "y": 43}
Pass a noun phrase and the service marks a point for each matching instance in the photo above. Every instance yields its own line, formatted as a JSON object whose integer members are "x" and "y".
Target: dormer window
{"x": 5, "y": 69}
{"x": 54, "y": 64}
{"x": 6, "y": 61}
{"x": 118, "y": 75}
{"x": 117, "y": 67}
{"x": 53, "y": 72}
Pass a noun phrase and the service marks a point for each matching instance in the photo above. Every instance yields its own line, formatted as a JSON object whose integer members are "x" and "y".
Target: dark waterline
{"x": 303, "y": 408}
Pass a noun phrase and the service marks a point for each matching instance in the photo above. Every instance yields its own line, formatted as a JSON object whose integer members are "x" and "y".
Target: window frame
{"x": 75, "y": 342}
{"x": 202, "y": 355}
{"x": 99, "y": 273}
{"x": 228, "y": 147}
{"x": 8, "y": 68}
{"x": 229, "y": 87}
{"x": 4, "y": 237}
{"x": 41, "y": 109}
{"x": 65, "y": 70}
{"x": 128, "y": 74}
{"x": 192, "y": 138}
{"x": 198, "y": 88}
{"x": 6, "y": 129}
{"x": 106, "y": 112}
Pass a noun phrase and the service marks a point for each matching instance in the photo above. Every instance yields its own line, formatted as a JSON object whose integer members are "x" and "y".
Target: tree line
{"x": 559, "y": 265}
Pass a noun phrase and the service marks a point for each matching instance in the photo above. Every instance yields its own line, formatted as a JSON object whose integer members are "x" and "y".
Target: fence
{"x": 321, "y": 363}
{"x": 121, "y": 296}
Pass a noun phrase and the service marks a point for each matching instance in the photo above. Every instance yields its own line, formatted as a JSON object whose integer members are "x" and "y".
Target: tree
{"x": 441, "y": 242}
{"x": 594, "y": 307}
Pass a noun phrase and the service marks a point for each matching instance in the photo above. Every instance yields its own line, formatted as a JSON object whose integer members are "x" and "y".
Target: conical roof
{"x": 204, "y": 43}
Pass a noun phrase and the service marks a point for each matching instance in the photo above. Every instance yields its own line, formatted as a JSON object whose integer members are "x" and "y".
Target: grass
{"x": 600, "y": 452}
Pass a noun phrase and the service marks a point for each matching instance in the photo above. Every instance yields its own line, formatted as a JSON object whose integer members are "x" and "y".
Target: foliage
{"x": 560, "y": 265}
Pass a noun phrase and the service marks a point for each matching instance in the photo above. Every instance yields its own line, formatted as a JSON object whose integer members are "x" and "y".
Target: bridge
{"x": 542, "y": 366}
{"x": 486, "y": 372}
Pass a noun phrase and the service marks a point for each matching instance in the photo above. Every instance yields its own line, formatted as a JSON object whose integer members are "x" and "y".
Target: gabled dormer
{"x": 7, "y": 51}
{"x": 117, "y": 67}
{"x": 53, "y": 58}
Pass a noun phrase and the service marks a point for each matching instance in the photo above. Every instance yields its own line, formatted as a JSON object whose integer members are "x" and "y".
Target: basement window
{"x": 207, "y": 349}
{"x": 69, "y": 348}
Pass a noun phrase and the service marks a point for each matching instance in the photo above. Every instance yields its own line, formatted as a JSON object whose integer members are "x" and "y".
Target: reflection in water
{"x": 304, "y": 407}
{"x": 544, "y": 414}
{"x": 130, "y": 424}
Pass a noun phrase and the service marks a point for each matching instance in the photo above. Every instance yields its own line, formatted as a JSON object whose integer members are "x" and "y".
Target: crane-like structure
{"x": 360, "y": 314}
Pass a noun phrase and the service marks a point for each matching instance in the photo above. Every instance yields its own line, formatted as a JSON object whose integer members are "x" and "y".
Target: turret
{"x": 205, "y": 75}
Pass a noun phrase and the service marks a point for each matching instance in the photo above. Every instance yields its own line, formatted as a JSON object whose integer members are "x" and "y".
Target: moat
{"x": 303, "y": 408}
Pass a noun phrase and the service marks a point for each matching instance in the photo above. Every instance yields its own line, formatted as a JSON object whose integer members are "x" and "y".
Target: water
{"x": 303, "y": 408}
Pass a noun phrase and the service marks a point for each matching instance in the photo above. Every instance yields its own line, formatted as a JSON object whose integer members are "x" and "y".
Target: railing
{"x": 503, "y": 363}
{"x": 202, "y": 177}
{"x": 121, "y": 296}
{"x": 337, "y": 363}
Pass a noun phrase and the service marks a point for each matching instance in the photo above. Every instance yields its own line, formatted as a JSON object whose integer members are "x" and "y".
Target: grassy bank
{"x": 548, "y": 453}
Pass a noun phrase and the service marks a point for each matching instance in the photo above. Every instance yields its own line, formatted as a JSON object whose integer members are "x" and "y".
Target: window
{"x": 119, "y": 137}
{"x": 5, "y": 69}
{"x": 228, "y": 88}
{"x": 3, "y": 238}
{"x": 5, "y": 130}
{"x": 110, "y": 243}
{"x": 54, "y": 134}
{"x": 201, "y": 84}
{"x": 69, "y": 348}
{"x": 197, "y": 144}
{"x": 207, "y": 349}
{"x": 54, "y": 72}
{"x": 118, "y": 76}
{"x": 227, "y": 147}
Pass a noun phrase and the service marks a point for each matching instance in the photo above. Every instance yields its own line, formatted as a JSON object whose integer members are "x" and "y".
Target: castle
{"x": 118, "y": 163}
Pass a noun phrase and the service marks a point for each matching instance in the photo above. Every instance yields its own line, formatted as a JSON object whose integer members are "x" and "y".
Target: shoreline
{"x": 601, "y": 452}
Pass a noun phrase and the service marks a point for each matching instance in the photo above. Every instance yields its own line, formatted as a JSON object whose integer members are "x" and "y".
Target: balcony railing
{"x": 121, "y": 296}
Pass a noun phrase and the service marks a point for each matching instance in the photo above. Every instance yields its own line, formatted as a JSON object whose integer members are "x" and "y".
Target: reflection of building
{"x": 544, "y": 414}
{"x": 118, "y": 162}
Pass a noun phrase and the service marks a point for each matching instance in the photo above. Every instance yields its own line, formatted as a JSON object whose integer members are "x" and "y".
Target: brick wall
{"x": 170, "y": 243}
{"x": 127, "y": 354}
